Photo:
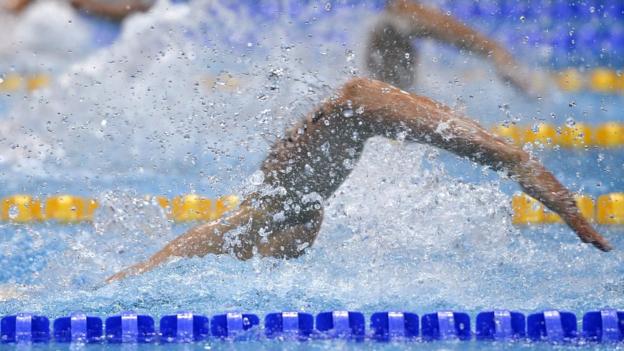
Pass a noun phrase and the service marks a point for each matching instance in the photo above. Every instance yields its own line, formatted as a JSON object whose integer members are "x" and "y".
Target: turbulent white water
{"x": 198, "y": 93}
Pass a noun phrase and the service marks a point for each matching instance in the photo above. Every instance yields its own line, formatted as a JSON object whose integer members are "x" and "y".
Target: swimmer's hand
{"x": 589, "y": 235}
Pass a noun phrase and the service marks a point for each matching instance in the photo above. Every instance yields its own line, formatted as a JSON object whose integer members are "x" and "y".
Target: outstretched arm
{"x": 423, "y": 21}
{"x": 199, "y": 241}
{"x": 391, "y": 111}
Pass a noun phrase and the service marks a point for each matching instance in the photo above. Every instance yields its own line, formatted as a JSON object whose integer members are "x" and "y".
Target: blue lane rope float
{"x": 342, "y": 324}
{"x": 552, "y": 325}
{"x": 25, "y": 328}
{"x": 232, "y": 324}
{"x": 184, "y": 327}
{"x": 291, "y": 325}
{"x": 129, "y": 327}
{"x": 500, "y": 325}
{"x": 445, "y": 325}
{"x": 77, "y": 328}
{"x": 388, "y": 326}
{"x": 603, "y": 326}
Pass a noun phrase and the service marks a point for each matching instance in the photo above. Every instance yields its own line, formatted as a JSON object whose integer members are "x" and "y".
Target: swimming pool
{"x": 195, "y": 113}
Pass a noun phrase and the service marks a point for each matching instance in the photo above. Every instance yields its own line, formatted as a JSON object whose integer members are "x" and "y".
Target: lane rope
{"x": 607, "y": 209}
{"x": 603, "y": 326}
{"x": 600, "y": 80}
{"x": 578, "y": 136}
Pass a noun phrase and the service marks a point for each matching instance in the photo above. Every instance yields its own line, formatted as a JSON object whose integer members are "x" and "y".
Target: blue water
{"x": 169, "y": 109}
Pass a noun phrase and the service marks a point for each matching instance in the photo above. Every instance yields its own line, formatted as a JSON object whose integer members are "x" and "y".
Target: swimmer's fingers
{"x": 590, "y": 236}
{"x": 601, "y": 243}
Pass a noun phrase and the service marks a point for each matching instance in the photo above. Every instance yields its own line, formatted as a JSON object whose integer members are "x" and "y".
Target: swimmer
{"x": 306, "y": 167}
{"x": 391, "y": 56}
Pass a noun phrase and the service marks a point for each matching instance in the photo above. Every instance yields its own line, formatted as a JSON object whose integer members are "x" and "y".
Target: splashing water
{"x": 198, "y": 94}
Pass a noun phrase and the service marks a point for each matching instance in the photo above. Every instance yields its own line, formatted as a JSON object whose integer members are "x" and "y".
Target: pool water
{"x": 189, "y": 101}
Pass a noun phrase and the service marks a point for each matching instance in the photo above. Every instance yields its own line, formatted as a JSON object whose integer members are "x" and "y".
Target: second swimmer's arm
{"x": 115, "y": 11}
{"x": 425, "y": 21}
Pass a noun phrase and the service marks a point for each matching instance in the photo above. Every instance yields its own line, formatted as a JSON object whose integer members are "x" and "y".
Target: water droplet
{"x": 570, "y": 122}
{"x": 325, "y": 148}
{"x": 347, "y": 113}
{"x": 13, "y": 212}
{"x": 350, "y": 55}
{"x": 257, "y": 178}
{"x": 308, "y": 170}
{"x": 103, "y": 123}
{"x": 328, "y": 6}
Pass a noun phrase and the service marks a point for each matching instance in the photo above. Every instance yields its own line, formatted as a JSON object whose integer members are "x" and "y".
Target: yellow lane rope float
{"x": 13, "y": 82}
{"x": 600, "y": 80}
{"x": 74, "y": 209}
{"x": 607, "y": 209}
{"x": 577, "y": 136}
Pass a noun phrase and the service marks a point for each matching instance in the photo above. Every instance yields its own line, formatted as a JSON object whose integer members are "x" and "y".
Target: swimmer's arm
{"x": 113, "y": 10}
{"x": 393, "y": 111}
{"x": 478, "y": 144}
{"x": 426, "y": 21}
{"x": 199, "y": 241}
{"x": 542, "y": 185}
